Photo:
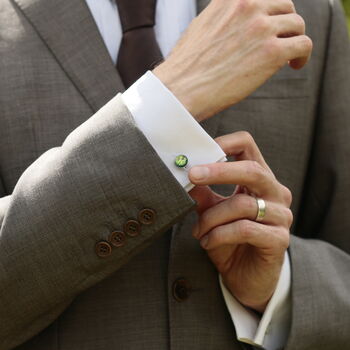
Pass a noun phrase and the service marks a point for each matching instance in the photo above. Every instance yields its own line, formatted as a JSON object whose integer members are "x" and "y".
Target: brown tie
{"x": 139, "y": 50}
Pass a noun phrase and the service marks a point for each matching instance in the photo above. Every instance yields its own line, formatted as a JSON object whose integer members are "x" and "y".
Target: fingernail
{"x": 199, "y": 173}
{"x": 204, "y": 241}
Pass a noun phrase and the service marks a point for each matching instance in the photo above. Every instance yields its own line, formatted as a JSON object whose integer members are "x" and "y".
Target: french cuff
{"x": 271, "y": 330}
{"x": 169, "y": 127}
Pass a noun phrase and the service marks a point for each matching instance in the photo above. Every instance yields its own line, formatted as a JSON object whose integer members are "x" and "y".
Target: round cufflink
{"x": 181, "y": 161}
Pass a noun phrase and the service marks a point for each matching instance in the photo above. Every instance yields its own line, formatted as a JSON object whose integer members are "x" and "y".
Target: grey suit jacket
{"x": 73, "y": 172}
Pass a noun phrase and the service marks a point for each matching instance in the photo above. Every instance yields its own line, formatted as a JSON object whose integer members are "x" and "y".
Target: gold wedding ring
{"x": 261, "y": 209}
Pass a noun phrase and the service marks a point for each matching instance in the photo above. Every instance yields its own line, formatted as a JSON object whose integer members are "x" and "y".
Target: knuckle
{"x": 281, "y": 239}
{"x": 287, "y": 195}
{"x": 261, "y": 24}
{"x": 246, "y": 5}
{"x": 289, "y": 217}
{"x": 299, "y": 22}
{"x": 290, "y": 6}
{"x": 285, "y": 239}
{"x": 306, "y": 43}
{"x": 254, "y": 171}
{"x": 247, "y": 138}
{"x": 241, "y": 6}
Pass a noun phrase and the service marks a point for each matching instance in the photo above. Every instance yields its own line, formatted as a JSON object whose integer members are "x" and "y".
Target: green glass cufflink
{"x": 181, "y": 161}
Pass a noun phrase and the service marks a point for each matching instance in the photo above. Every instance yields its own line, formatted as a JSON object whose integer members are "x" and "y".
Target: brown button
{"x": 103, "y": 249}
{"x": 117, "y": 238}
{"x": 181, "y": 290}
{"x": 147, "y": 216}
{"x": 132, "y": 228}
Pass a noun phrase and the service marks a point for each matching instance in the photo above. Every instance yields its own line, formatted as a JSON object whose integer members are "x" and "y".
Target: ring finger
{"x": 238, "y": 207}
{"x": 289, "y": 25}
{"x": 280, "y": 7}
{"x": 247, "y": 232}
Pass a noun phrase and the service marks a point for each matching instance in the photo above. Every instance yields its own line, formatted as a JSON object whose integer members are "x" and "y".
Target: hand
{"x": 248, "y": 254}
{"x": 231, "y": 49}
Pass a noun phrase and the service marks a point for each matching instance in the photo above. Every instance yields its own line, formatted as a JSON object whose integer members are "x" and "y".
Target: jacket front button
{"x": 117, "y": 238}
{"x": 103, "y": 249}
{"x": 132, "y": 228}
{"x": 181, "y": 290}
{"x": 147, "y": 216}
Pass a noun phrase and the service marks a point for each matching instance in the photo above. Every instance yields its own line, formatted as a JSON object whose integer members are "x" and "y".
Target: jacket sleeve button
{"x": 132, "y": 228}
{"x": 147, "y": 216}
{"x": 103, "y": 249}
{"x": 117, "y": 238}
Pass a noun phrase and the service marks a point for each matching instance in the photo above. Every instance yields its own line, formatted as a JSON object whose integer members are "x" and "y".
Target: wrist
{"x": 181, "y": 85}
{"x": 258, "y": 298}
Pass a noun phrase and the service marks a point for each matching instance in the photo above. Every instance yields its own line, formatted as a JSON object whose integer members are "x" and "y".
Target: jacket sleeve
{"x": 67, "y": 201}
{"x": 321, "y": 260}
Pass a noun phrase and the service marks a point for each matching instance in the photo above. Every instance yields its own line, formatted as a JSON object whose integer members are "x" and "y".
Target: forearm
{"x": 71, "y": 198}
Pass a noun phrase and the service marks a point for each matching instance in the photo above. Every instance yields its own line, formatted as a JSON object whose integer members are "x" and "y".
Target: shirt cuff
{"x": 169, "y": 127}
{"x": 271, "y": 330}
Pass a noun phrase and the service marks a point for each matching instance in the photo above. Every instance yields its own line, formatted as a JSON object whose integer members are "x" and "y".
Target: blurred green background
{"x": 346, "y": 4}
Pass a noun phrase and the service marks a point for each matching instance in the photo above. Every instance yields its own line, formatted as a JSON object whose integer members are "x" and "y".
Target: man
{"x": 56, "y": 71}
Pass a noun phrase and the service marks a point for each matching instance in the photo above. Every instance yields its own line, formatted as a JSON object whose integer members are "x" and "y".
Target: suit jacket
{"x": 73, "y": 169}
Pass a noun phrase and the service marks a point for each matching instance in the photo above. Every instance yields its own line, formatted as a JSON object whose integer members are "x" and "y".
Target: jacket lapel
{"x": 71, "y": 34}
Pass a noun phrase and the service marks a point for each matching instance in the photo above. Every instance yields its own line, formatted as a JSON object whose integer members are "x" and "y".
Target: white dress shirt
{"x": 171, "y": 130}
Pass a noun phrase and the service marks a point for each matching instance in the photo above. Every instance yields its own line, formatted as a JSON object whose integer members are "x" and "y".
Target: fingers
{"x": 296, "y": 46}
{"x": 280, "y": 7}
{"x": 288, "y": 25}
{"x": 261, "y": 236}
{"x": 242, "y": 145}
{"x": 250, "y": 174}
{"x": 240, "y": 207}
{"x": 297, "y": 50}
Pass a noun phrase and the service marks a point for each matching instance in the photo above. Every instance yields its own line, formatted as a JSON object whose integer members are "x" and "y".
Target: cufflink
{"x": 181, "y": 161}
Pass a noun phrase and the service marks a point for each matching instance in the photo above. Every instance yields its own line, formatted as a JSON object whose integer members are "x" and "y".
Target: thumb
{"x": 205, "y": 198}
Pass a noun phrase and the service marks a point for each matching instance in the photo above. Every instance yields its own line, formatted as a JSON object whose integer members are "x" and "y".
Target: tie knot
{"x": 136, "y": 13}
